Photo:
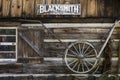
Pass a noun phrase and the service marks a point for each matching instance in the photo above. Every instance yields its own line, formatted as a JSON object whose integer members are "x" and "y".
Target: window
{"x": 8, "y": 44}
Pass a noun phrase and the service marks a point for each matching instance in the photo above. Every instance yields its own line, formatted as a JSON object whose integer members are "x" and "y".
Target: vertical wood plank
{"x": 13, "y": 8}
{"x": 109, "y": 8}
{"x": 20, "y": 51}
{"x": 32, "y": 8}
{"x": 26, "y": 11}
{"x": 101, "y": 8}
{"x": 36, "y": 3}
{"x": 6, "y": 8}
{"x": 19, "y": 8}
{"x": 48, "y": 1}
{"x": 75, "y": 1}
{"x": 1, "y": 2}
{"x": 68, "y": 1}
{"x": 116, "y": 4}
{"x": 40, "y": 42}
{"x": 83, "y": 8}
{"x": 92, "y": 8}
{"x": 62, "y": 1}
{"x": 28, "y": 8}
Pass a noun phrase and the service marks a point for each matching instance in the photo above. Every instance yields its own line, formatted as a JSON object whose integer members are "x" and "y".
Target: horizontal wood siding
{"x": 90, "y": 8}
{"x": 29, "y": 62}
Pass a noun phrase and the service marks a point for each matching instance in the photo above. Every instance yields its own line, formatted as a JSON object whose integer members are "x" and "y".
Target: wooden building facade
{"x": 28, "y": 8}
{"x": 42, "y": 39}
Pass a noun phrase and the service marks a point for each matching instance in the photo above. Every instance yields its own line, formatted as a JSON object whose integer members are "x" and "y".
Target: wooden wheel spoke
{"x": 86, "y": 65}
{"x": 83, "y": 67}
{"x": 89, "y": 52}
{"x": 71, "y": 55}
{"x": 79, "y": 49}
{"x": 89, "y": 62}
{"x": 90, "y": 56}
{"x": 72, "y": 62}
{"x": 75, "y": 65}
{"x": 86, "y": 50}
{"x": 83, "y": 48}
{"x": 78, "y": 67}
{"x": 73, "y": 52}
{"x": 76, "y": 49}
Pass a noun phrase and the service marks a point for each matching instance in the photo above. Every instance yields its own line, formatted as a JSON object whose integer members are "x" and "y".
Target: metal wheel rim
{"x": 78, "y": 63}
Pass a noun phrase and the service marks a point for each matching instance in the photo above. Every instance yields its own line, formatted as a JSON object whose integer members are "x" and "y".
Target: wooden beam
{"x": 74, "y": 40}
{"x": 46, "y": 75}
{"x": 60, "y": 59}
{"x": 69, "y": 25}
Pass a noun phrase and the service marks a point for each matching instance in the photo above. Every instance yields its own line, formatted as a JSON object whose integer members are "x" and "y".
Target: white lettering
{"x": 42, "y": 9}
{"x": 62, "y": 9}
{"x": 76, "y": 8}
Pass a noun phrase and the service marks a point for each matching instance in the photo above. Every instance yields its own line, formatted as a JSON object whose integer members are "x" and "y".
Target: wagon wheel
{"x": 81, "y": 57}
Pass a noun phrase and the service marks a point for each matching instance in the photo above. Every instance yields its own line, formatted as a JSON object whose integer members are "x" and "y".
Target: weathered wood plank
{"x": 101, "y": 7}
{"x": 92, "y": 8}
{"x": 1, "y": 5}
{"x": 61, "y": 1}
{"x": 73, "y": 40}
{"x": 82, "y": 36}
{"x": 84, "y": 30}
{"x": 18, "y": 8}
{"x": 68, "y": 1}
{"x": 6, "y": 8}
{"x": 13, "y": 8}
{"x": 28, "y": 8}
{"x": 40, "y": 75}
{"x": 36, "y": 8}
{"x": 11, "y": 68}
{"x": 48, "y": 2}
{"x": 30, "y": 60}
{"x": 84, "y": 8}
{"x": 72, "y": 25}
{"x": 108, "y": 8}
